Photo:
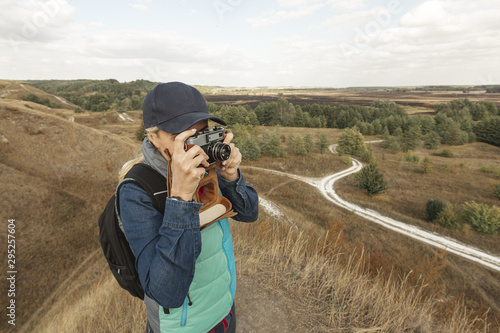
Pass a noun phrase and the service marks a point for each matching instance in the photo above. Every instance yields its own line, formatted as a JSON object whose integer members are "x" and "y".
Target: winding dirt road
{"x": 325, "y": 186}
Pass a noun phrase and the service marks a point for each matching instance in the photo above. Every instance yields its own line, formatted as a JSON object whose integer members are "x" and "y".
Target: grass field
{"x": 342, "y": 271}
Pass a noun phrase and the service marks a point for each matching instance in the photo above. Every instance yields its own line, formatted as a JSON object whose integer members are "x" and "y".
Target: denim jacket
{"x": 166, "y": 246}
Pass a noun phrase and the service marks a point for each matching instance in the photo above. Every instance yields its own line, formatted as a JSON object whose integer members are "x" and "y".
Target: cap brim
{"x": 186, "y": 121}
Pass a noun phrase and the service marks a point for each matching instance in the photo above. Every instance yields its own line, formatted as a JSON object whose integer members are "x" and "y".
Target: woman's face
{"x": 165, "y": 141}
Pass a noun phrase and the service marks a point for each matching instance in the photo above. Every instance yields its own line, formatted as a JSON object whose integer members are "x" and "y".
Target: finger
{"x": 181, "y": 138}
{"x": 234, "y": 153}
{"x": 194, "y": 151}
{"x": 229, "y": 137}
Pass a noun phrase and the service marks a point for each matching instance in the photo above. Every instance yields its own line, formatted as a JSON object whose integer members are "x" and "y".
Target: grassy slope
{"x": 57, "y": 177}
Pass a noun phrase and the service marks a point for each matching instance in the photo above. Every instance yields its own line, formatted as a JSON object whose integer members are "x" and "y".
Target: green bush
{"x": 482, "y": 217}
{"x": 433, "y": 208}
{"x": 447, "y": 217}
{"x": 367, "y": 156}
{"x": 426, "y": 165}
{"x": 141, "y": 133}
{"x": 392, "y": 143}
{"x": 371, "y": 179}
{"x": 496, "y": 190}
{"x": 447, "y": 153}
{"x": 411, "y": 158}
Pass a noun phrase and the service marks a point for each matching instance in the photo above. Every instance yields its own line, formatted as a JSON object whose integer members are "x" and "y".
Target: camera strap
{"x": 215, "y": 206}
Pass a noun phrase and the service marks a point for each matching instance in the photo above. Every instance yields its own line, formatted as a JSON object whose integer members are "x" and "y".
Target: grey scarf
{"x": 153, "y": 157}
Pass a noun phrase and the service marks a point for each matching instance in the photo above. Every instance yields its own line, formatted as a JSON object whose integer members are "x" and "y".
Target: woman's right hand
{"x": 188, "y": 167}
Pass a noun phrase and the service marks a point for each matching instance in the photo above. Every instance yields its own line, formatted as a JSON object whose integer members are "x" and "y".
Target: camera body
{"x": 212, "y": 143}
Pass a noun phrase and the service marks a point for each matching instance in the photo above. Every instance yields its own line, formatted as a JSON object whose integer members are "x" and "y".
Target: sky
{"x": 243, "y": 43}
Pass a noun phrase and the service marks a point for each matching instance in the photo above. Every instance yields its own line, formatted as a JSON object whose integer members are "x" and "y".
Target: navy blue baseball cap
{"x": 175, "y": 107}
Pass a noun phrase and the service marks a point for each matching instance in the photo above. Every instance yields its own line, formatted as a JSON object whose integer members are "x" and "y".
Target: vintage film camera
{"x": 211, "y": 141}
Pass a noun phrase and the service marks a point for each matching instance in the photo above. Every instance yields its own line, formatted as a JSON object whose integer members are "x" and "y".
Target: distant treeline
{"x": 455, "y": 123}
{"x": 99, "y": 95}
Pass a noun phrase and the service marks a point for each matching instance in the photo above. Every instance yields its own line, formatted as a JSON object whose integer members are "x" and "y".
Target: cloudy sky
{"x": 328, "y": 43}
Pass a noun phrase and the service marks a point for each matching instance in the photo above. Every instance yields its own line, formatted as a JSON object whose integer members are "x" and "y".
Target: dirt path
{"x": 325, "y": 186}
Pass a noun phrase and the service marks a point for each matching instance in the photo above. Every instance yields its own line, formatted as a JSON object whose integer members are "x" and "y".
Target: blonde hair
{"x": 139, "y": 159}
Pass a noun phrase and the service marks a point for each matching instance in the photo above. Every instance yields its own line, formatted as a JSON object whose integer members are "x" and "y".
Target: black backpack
{"x": 114, "y": 244}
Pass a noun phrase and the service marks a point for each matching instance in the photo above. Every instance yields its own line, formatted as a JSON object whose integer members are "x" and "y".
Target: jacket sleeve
{"x": 165, "y": 246}
{"x": 243, "y": 197}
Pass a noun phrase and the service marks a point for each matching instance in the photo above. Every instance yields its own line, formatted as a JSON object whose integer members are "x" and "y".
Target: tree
{"x": 308, "y": 143}
{"x": 298, "y": 145}
{"x": 411, "y": 138}
{"x": 432, "y": 140}
{"x": 322, "y": 143}
{"x": 371, "y": 179}
{"x": 249, "y": 149}
{"x": 351, "y": 142}
{"x": 271, "y": 144}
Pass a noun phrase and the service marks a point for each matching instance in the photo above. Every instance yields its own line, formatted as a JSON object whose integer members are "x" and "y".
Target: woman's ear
{"x": 153, "y": 139}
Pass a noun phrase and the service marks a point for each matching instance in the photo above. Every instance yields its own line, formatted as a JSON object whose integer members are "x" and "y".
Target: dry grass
{"x": 333, "y": 287}
{"x": 457, "y": 180}
{"x": 58, "y": 175}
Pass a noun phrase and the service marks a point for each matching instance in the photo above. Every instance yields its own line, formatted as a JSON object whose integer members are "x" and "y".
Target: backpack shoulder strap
{"x": 151, "y": 181}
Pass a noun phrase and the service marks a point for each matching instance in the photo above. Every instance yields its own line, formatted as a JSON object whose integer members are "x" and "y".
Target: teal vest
{"x": 212, "y": 290}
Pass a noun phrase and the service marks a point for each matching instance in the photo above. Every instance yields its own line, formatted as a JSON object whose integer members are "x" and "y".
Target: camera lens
{"x": 219, "y": 151}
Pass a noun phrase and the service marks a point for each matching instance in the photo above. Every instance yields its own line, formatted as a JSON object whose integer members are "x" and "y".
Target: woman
{"x": 188, "y": 275}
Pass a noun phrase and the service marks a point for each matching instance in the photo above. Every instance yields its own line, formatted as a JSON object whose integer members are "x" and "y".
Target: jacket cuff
{"x": 182, "y": 214}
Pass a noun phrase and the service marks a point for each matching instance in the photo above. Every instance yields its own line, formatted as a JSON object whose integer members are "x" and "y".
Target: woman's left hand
{"x": 229, "y": 169}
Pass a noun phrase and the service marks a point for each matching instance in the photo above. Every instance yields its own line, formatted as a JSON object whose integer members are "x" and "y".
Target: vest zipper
{"x": 187, "y": 302}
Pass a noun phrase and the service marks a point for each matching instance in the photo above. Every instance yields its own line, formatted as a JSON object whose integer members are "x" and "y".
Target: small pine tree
{"x": 249, "y": 149}
{"x": 433, "y": 208}
{"x": 298, "y": 145}
{"x": 322, "y": 143}
{"x": 371, "y": 179}
{"x": 308, "y": 143}
{"x": 426, "y": 165}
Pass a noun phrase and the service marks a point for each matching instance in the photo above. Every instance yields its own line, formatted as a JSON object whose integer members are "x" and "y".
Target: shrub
{"x": 347, "y": 160}
{"x": 371, "y": 179}
{"x": 447, "y": 217}
{"x": 392, "y": 143}
{"x": 482, "y": 217}
{"x": 426, "y": 165}
{"x": 447, "y": 153}
{"x": 496, "y": 190}
{"x": 141, "y": 133}
{"x": 367, "y": 156}
{"x": 433, "y": 208}
{"x": 411, "y": 158}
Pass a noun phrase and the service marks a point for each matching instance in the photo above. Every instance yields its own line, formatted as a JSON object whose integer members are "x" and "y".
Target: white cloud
{"x": 347, "y": 5}
{"x": 141, "y": 5}
{"x": 299, "y": 9}
{"x": 138, "y": 6}
{"x": 35, "y": 20}
{"x": 97, "y": 25}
